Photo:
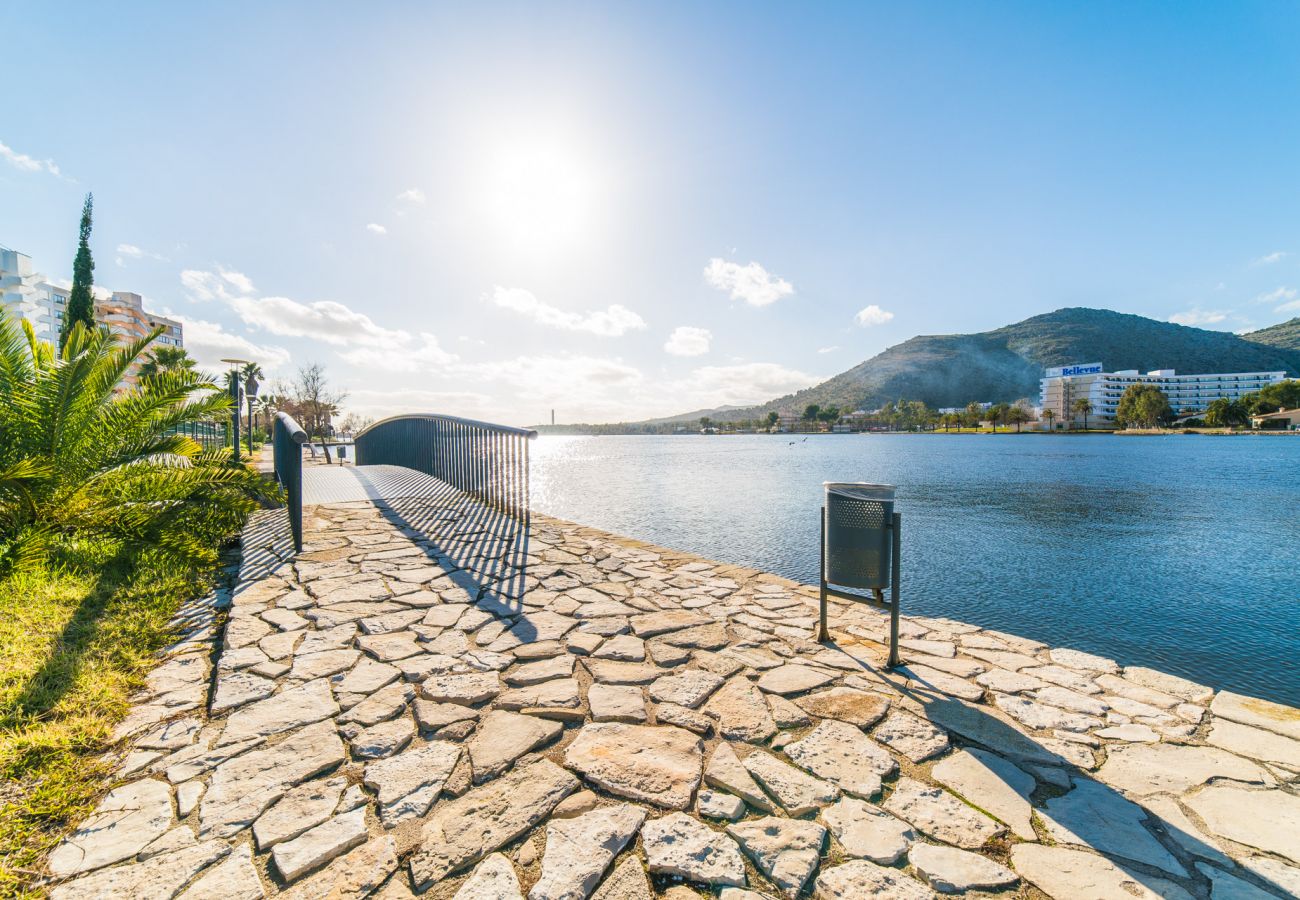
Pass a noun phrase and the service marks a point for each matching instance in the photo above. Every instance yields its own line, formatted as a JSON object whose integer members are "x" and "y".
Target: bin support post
{"x": 823, "y": 634}
{"x": 896, "y": 530}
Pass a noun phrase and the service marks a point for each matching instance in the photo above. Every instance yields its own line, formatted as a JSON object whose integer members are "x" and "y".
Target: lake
{"x": 1181, "y": 553}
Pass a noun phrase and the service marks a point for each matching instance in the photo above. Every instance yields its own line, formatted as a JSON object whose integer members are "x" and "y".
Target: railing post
{"x": 287, "y": 443}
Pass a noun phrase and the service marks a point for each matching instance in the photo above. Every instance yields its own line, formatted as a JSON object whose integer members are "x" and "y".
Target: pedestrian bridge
{"x": 345, "y": 484}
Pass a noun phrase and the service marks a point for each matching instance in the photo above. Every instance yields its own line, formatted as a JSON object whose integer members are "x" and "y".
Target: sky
{"x": 617, "y": 211}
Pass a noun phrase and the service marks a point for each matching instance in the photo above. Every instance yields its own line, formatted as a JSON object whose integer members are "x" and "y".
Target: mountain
{"x": 1285, "y": 336}
{"x": 1007, "y": 363}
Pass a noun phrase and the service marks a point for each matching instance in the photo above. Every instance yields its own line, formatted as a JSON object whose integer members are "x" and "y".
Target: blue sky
{"x": 620, "y": 210}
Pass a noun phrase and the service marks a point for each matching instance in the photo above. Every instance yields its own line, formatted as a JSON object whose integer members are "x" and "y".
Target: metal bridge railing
{"x": 287, "y": 440}
{"x": 486, "y": 461}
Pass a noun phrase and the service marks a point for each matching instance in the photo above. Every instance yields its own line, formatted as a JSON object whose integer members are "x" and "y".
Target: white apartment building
{"x": 1061, "y": 387}
{"x": 27, "y": 295}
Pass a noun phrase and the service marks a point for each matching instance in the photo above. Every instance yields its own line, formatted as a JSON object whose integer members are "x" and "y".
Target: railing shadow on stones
{"x": 976, "y": 727}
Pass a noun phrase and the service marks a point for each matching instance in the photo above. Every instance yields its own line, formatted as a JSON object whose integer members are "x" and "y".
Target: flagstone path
{"x": 430, "y": 699}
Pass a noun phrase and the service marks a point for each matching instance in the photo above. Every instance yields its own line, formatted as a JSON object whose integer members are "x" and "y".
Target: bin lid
{"x": 860, "y": 490}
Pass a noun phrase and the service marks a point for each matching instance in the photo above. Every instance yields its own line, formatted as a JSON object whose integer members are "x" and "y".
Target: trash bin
{"x": 860, "y": 551}
{"x": 858, "y": 535}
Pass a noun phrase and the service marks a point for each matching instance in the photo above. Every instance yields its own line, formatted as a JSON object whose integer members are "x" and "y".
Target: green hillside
{"x": 1285, "y": 336}
{"x": 1007, "y": 363}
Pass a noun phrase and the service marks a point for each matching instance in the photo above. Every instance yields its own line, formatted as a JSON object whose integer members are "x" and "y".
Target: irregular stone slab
{"x": 953, "y": 685}
{"x": 352, "y": 876}
{"x": 1071, "y": 700}
{"x": 410, "y": 782}
{"x": 865, "y": 830}
{"x": 1169, "y": 684}
{"x": 561, "y": 693}
{"x": 844, "y": 756}
{"x": 616, "y": 703}
{"x": 1125, "y": 688}
{"x": 700, "y": 637}
{"x": 611, "y": 671}
{"x": 493, "y": 879}
{"x": 1042, "y": 716}
{"x": 717, "y": 805}
{"x": 187, "y": 797}
{"x": 793, "y": 679}
{"x": 386, "y": 703}
{"x": 1255, "y": 743}
{"x": 468, "y": 689}
{"x": 390, "y": 646}
{"x": 541, "y": 626}
{"x": 797, "y": 792}
{"x": 580, "y": 849}
{"x": 317, "y": 846}
{"x": 244, "y": 631}
{"x": 462, "y": 831}
{"x": 384, "y": 739}
{"x": 1094, "y": 815}
{"x": 785, "y": 850}
{"x": 741, "y": 712}
{"x": 651, "y": 624}
{"x": 234, "y": 878}
{"x": 679, "y": 845}
{"x": 1062, "y": 872}
{"x": 859, "y": 879}
{"x": 860, "y": 708}
{"x": 287, "y": 710}
{"x": 243, "y": 787}
{"x": 953, "y": 871}
{"x": 126, "y": 821}
{"x": 1066, "y": 678}
{"x": 726, "y": 772}
{"x": 624, "y": 648}
{"x": 935, "y": 812}
{"x": 307, "y": 666}
{"x": 1266, "y": 820}
{"x": 989, "y": 728}
{"x": 1087, "y": 662}
{"x": 689, "y": 688}
{"x": 1007, "y": 682}
{"x": 365, "y": 678}
{"x": 337, "y": 638}
{"x": 628, "y": 882}
{"x": 992, "y": 783}
{"x": 1175, "y": 823}
{"x": 690, "y": 719}
{"x": 503, "y": 737}
{"x": 915, "y": 738}
{"x": 1174, "y": 768}
{"x": 432, "y": 716}
{"x": 284, "y": 619}
{"x": 540, "y": 670}
{"x": 159, "y": 877}
{"x": 306, "y": 806}
{"x": 195, "y": 760}
{"x": 171, "y": 735}
{"x": 1275, "y": 873}
{"x": 234, "y": 689}
{"x": 657, "y": 764}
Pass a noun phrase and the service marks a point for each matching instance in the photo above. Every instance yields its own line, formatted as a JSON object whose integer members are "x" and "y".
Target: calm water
{"x": 1180, "y": 553}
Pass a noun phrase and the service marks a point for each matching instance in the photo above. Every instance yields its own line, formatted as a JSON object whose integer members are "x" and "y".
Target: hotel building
{"x": 1063, "y": 386}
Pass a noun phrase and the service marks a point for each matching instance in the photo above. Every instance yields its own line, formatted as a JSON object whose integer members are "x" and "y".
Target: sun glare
{"x": 540, "y": 195}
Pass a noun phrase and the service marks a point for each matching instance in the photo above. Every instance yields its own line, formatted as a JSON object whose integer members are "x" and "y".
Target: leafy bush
{"x": 83, "y": 457}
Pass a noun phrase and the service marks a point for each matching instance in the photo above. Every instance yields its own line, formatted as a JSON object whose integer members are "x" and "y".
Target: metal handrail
{"x": 287, "y": 440}
{"x": 485, "y": 460}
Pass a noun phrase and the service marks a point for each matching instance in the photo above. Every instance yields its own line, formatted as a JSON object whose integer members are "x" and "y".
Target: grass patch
{"x": 76, "y": 638}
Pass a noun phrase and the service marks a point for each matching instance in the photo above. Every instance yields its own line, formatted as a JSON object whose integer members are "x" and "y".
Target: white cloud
{"x": 324, "y": 320}
{"x": 872, "y": 315}
{"x": 376, "y": 228}
{"x": 411, "y": 195}
{"x": 135, "y": 252}
{"x": 381, "y": 404}
{"x": 1270, "y": 258}
{"x": 614, "y": 321}
{"x": 1197, "y": 316}
{"x": 830, "y": 349}
{"x": 1284, "y": 297}
{"x": 24, "y": 163}
{"x": 739, "y": 385}
{"x": 399, "y": 355}
{"x": 751, "y": 283}
{"x": 687, "y": 340}
{"x": 204, "y": 286}
{"x": 208, "y": 342}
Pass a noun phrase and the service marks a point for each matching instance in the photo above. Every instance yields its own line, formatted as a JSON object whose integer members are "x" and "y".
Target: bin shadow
{"x": 977, "y": 725}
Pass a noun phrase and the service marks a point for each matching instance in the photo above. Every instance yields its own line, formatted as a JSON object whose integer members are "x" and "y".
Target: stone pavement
{"x": 431, "y": 699}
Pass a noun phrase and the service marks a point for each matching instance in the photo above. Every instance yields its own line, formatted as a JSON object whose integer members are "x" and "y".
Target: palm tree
{"x": 166, "y": 359}
{"x": 79, "y": 459}
{"x": 266, "y": 407}
{"x": 1049, "y": 415}
{"x": 1083, "y": 406}
{"x": 251, "y": 373}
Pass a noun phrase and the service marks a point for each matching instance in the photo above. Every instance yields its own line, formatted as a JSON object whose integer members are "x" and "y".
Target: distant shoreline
{"x": 559, "y": 431}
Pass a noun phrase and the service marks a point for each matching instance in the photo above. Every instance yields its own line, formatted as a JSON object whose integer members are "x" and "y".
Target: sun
{"x": 540, "y": 193}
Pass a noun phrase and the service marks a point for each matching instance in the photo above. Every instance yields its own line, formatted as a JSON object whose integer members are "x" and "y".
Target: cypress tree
{"x": 81, "y": 302}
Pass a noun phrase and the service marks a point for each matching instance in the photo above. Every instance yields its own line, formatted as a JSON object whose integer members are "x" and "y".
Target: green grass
{"x": 75, "y": 641}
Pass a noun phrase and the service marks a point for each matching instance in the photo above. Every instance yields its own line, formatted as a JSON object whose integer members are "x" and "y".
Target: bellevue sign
{"x": 1083, "y": 369}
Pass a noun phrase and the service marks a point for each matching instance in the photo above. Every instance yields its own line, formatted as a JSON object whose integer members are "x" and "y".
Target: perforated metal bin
{"x": 858, "y": 540}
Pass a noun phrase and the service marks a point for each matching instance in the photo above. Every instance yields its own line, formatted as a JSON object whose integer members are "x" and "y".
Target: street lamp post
{"x": 234, "y": 396}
